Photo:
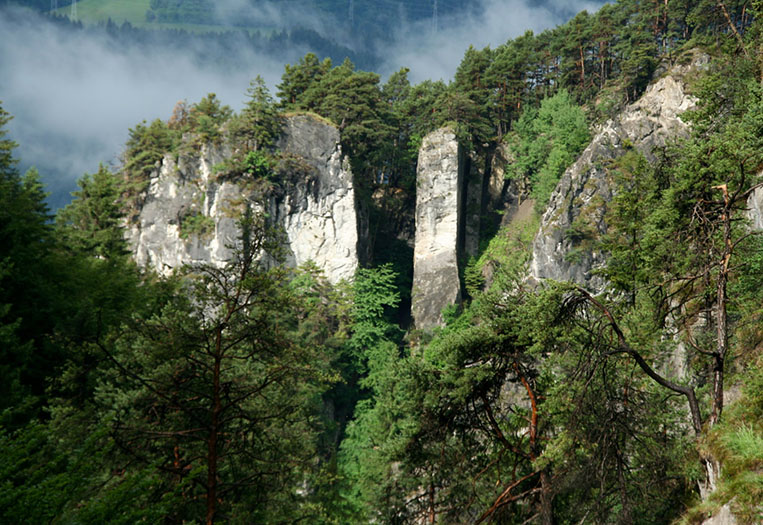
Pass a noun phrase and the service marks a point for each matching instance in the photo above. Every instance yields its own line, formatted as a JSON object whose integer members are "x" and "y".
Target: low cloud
{"x": 74, "y": 95}
{"x": 435, "y": 54}
{"x": 276, "y": 14}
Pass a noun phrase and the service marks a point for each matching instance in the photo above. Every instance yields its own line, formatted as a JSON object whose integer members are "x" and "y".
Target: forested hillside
{"x": 251, "y": 391}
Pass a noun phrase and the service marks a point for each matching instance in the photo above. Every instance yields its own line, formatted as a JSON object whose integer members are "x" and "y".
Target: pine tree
{"x": 93, "y": 223}
{"x": 214, "y": 394}
{"x": 25, "y": 246}
{"x": 299, "y": 77}
{"x": 260, "y": 124}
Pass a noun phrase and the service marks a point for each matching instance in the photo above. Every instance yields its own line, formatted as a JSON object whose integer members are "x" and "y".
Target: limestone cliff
{"x": 585, "y": 188}
{"x": 188, "y": 215}
{"x": 439, "y": 182}
{"x": 319, "y": 213}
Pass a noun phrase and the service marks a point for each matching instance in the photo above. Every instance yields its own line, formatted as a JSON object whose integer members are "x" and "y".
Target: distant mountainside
{"x": 374, "y": 18}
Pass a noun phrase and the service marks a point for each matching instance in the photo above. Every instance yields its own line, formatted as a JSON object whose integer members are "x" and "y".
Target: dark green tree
{"x": 26, "y": 242}
{"x": 260, "y": 124}
{"x": 214, "y": 394}
{"x": 146, "y": 146}
{"x": 299, "y": 77}
{"x": 92, "y": 224}
{"x": 373, "y": 344}
{"x": 470, "y": 106}
{"x": 207, "y": 116}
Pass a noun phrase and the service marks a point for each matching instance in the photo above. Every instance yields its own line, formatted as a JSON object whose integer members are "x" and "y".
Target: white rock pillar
{"x": 439, "y": 185}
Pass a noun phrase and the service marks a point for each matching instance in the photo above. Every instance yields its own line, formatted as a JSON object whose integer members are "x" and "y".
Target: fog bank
{"x": 75, "y": 94}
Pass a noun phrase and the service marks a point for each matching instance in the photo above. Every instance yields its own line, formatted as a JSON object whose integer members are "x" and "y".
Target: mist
{"x": 278, "y": 14}
{"x": 74, "y": 95}
{"x": 434, "y": 54}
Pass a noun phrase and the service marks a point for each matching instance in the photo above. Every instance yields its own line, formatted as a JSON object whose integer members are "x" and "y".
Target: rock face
{"x": 439, "y": 182}
{"x": 180, "y": 190}
{"x": 457, "y": 193}
{"x": 585, "y": 188}
{"x": 188, "y": 216}
{"x": 755, "y": 207}
{"x": 319, "y": 214}
{"x": 724, "y": 517}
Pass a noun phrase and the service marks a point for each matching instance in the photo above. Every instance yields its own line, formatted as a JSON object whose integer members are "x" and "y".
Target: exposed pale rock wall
{"x": 724, "y": 517}
{"x": 755, "y": 206}
{"x": 317, "y": 210}
{"x": 319, "y": 215}
{"x": 180, "y": 189}
{"x": 585, "y": 188}
{"x": 439, "y": 182}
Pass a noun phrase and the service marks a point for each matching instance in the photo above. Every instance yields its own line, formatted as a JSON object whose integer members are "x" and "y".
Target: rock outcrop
{"x": 755, "y": 207}
{"x": 457, "y": 193}
{"x": 189, "y": 216}
{"x": 724, "y": 517}
{"x": 180, "y": 192}
{"x": 439, "y": 186}
{"x": 319, "y": 215}
{"x": 585, "y": 188}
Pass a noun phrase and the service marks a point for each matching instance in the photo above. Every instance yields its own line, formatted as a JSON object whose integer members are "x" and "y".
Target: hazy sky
{"x": 437, "y": 55}
{"x": 75, "y": 96}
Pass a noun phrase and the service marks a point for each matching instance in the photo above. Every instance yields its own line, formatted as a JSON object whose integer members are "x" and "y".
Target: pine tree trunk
{"x": 213, "y": 434}
{"x": 546, "y": 499}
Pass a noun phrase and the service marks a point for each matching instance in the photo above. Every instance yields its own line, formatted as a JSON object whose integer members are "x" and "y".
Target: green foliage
{"x": 353, "y": 101}
{"x": 259, "y": 124}
{"x": 546, "y": 142}
{"x": 618, "y": 430}
{"x": 738, "y": 443}
{"x": 26, "y": 276}
{"x": 92, "y": 223}
{"x": 147, "y": 145}
{"x": 257, "y": 165}
{"x": 375, "y": 297}
{"x": 637, "y": 194}
{"x": 269, "y": 395}
{"x": 37, "y": 480}
{"x": 206, "y": 118}
{"x": 214, "y": 388}
{"x": 505, "y": 257}
{"x": 46, "y": 478}
{"x": 196, "y": 224}
{"x": 299, "y": 77}
{"x": 364, "y": 453}
{"x": 468, "y": 103}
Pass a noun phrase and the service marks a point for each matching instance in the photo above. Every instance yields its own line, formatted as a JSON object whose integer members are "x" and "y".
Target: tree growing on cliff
{"x": 146, "y": 145}
{"x": 259, "y": 125}
{"x": 207, "y": 116}
{"x": 691, "y": 253}
{"x": 299, "y": 77}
